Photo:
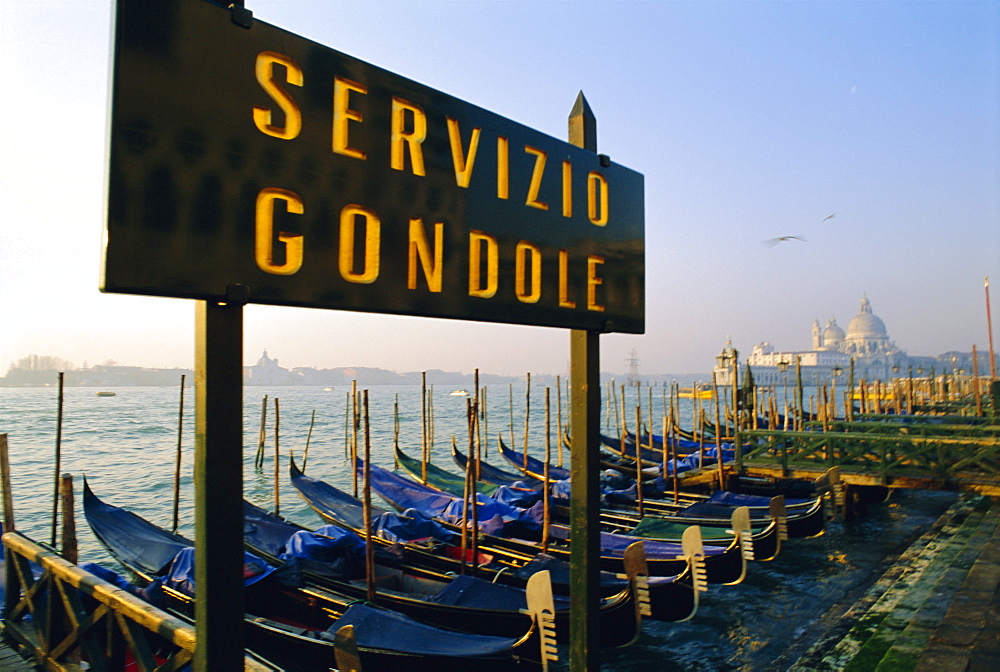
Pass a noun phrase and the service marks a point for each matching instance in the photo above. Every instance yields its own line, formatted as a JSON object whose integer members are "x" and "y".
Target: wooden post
{"x": 277, "y": 458}
{"x": 527, "y": 413}
{"x": 347, "y": 421}
{"x": 177, "y": 465}
{"x": 559, "y": 429}
{"x": 475, "y": 424}
{"x": 218, "y": 481}
{"x": 989, "y": 331}
{"x": 585, "y": 549}
{"x": 510, "y": 407}
{"x": 613, "y": 396}
{"x": 638, "y": 453}
{"x": 68, "y": 545}
{"x": 355, "y": 424}
{"x": 367, "y": 511}
{"x": 624, "y": 434}
{"x": 305, "y": 451}
{"x": 975, "y": 382}
{"x": 258, "y": 462}
{"x": 12, "y": 585}
{"x": 58, "y": 465}
{"x": 262, "y": 435}
{"x": 798, "y": 393}
{"x": 473, "y": 498}
{"x": 546, "y": 514}
{"x": 423, "y": 427}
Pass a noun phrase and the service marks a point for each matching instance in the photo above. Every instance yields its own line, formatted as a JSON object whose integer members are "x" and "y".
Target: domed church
{"x": 866, "y": 342}
{"x": 866, "y": 336}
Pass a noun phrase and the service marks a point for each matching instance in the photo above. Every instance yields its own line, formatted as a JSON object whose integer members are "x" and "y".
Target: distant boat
{"x": 460, "y": 393}
{"x": 328, "y": 389}
{"x": 106, "y": 394}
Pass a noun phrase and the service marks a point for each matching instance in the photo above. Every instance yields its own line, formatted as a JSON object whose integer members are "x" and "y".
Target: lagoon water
{"x": 126, "y": 446}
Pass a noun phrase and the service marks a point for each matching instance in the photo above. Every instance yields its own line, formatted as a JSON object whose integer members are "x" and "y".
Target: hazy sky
{"x": 749, "y": 120}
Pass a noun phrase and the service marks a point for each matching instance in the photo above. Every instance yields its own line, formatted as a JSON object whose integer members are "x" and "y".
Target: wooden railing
{"x": 65, "y": 615}
{"x": 886, "y": 455}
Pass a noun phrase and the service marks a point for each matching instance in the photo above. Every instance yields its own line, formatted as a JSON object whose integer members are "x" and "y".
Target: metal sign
{"x": 250, "y": 156}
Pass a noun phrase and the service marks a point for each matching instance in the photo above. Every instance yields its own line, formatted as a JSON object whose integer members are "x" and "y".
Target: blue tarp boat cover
{"x": 153, "y": 593}
{"x": 735, "y": 499}
{"x": 383, "y": 629}
{"x": 470, "y": 591}
{"x": 615, "y": 545}
{"x": 181, "y": 574}
{"x": 710, "y": 510}
{"x": 326, "y": 544}
{"x": 264, "y": 530}
{"x": 409, "y": 526}
{"x": 492, "y": 515}
{"x": 518, "y": 495}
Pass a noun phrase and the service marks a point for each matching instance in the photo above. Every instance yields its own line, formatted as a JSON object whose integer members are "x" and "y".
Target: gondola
{"x": 520, "y": 529}
{"x": 449, "y": 599}
{"x": 762, "y": 541}
{"x": 804, "y": 518}
{"x": 296, "y": 627}
{"x": 672, "y": 598}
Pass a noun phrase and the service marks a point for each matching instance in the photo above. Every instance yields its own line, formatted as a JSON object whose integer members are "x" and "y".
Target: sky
{"x": 750, "y": 121}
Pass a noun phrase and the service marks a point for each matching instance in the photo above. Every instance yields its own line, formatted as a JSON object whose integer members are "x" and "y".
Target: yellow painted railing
{"x": 66, "y": 616}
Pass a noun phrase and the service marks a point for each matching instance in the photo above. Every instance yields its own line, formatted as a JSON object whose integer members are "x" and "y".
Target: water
{"x": 126, "y": 446}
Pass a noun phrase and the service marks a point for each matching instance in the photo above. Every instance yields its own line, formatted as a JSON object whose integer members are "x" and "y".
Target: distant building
{"x": 875, "y": 356}
{"x": 267, "y": 372}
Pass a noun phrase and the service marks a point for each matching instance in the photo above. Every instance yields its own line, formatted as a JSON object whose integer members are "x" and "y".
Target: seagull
{"x": 780, "y": 239}
{"x": 828, "y": 217}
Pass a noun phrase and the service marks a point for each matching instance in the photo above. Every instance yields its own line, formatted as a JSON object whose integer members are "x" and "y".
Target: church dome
{"x": 865, "y": 325}
{"x": 833, "y": 334}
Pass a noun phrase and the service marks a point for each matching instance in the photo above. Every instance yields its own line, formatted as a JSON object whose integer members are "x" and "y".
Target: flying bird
{"x": 780, "y": 239}
{"x": 828, "y": 217}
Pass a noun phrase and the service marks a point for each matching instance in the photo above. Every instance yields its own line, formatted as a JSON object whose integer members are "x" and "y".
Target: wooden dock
{"x": 11, "y": 661}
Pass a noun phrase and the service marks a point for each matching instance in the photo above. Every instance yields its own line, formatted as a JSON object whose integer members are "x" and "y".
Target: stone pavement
{"x": 936, "y": 609}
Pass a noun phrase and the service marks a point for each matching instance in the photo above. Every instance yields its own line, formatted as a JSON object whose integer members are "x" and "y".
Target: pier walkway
{"x": 936, "y": 608}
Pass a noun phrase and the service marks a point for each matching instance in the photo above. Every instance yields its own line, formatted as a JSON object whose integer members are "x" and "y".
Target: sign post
{"x": 585, "y": 550}
{"x": 218, "y": 483}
